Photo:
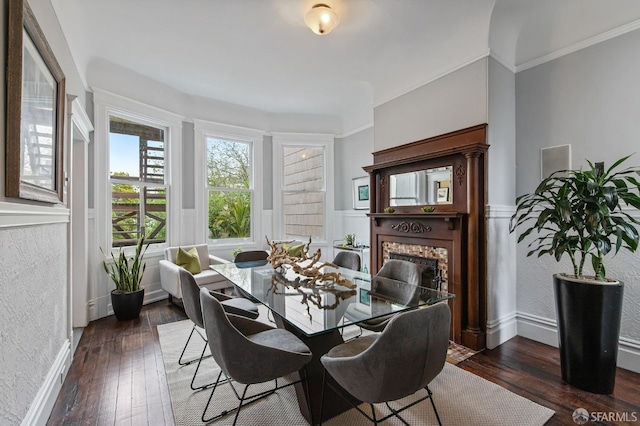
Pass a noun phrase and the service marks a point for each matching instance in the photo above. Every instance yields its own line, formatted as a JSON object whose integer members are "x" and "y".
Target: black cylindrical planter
{"x": 589, "y": 315}
{"x": 127, "y": 306}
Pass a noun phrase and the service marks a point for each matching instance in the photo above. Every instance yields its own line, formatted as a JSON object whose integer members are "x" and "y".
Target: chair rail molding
{"x": 18, "y": 214}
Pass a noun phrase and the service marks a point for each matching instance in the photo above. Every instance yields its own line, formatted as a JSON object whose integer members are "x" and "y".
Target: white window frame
{"x": 108, "y": 104}
{"x": 208, "y": 129}
{"x": 311, "y": 140}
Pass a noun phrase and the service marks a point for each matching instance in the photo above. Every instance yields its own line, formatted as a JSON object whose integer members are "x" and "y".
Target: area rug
{"x": 457, "y": 353}
{"x": 462, "y": 398}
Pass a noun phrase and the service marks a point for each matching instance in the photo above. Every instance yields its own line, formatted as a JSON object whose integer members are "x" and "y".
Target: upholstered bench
{"x": 207, "y": 278}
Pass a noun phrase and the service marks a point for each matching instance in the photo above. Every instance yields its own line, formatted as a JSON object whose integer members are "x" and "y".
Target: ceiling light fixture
{"x": 321, "y": 19}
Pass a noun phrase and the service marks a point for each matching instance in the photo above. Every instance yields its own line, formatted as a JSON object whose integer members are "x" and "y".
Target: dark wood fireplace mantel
{"x": 446, "y": 216}
{"x": 457, "y": 227}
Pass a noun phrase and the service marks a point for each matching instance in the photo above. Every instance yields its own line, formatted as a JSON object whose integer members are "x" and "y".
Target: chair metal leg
{"x": 373, "y": 414}
{"x": 224, "y": 412}
{"x": 185, "y": 348}
{"x": 206, "y": 407}
{"x": 433, "y": 405}
{"x": 235, "y": 419}
{"x": 193, "y": 379}
{"x": 199, "y": 359}
{"x": 373, "y": 417}
{"x": 354, "y": 337}
{"x": 244, "y": 400}
{"x": 397, "y": 414}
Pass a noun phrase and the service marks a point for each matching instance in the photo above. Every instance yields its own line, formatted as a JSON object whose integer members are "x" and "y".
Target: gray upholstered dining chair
{"x": 394, "y": 269}
{"x": 384, "y": 367}
{"x": 347, "y": 259}
{"x": 252, "y": 256}
{"x": 250, "y": 352}
{"x": 191, "y": 300}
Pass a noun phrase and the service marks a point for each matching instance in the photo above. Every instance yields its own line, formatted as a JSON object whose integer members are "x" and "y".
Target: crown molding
{"x": 580, "y": 45}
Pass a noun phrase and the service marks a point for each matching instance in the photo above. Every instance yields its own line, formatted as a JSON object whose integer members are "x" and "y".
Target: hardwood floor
{"x": 532, "y": 370}
{"x": 117, "y": 377}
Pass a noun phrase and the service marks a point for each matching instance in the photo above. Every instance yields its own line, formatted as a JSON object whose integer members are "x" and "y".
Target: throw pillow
{"x": 293, "y": 251}
{"x": 189, "y": 260}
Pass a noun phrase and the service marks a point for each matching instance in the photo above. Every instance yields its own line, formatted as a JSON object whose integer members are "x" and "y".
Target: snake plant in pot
{"x": 579, "y": 213}
{"x": 126, "y": 273}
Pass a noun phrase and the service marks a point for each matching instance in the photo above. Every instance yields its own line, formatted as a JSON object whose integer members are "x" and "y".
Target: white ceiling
{"x": 259, "y": 53}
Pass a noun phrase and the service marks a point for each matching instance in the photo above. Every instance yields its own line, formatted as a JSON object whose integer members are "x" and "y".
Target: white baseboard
{"x": 155, "y": 296}
{"x": 501, "y": 330}
{"x": 77, "y": 335}
{"x": 41, "y": 407}
{"x": 537, "y": 328}
{"x": 544, "y": 330}
{"x": 629, "y": 355}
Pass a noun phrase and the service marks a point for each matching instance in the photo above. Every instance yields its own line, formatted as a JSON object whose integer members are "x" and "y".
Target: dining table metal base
{"x": 334, "y": 404}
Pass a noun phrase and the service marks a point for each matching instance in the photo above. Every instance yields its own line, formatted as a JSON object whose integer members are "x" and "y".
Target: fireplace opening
{"x": 428, "y": 266}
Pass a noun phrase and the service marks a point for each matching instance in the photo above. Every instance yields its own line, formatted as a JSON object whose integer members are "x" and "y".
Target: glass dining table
{"x": 316, "y": 309}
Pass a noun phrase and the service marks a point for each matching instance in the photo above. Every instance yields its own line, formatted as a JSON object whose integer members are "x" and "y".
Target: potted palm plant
{"x": 579, "y": 213}
{"x": 126, "y": 273}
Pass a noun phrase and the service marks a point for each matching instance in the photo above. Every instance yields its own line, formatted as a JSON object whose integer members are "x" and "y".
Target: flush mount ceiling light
{"x": 321, "y": 19}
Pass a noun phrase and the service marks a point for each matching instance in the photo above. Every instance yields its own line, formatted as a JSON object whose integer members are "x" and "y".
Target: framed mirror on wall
{"x": 421, "y": 187}
{"x": 35, "y": 111}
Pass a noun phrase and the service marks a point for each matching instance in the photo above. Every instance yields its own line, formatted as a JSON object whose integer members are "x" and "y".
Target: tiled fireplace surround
{"x": 418, "y": 250}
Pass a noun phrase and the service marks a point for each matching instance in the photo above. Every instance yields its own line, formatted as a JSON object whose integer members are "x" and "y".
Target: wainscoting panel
{"x": 501, "y": 276}
{"x": 45, "y": 399}
{"x": 34, "y": 312}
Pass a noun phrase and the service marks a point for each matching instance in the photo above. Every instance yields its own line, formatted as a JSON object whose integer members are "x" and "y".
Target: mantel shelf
{"x": 446, "y": 216}
{"x": 436, "y": 215}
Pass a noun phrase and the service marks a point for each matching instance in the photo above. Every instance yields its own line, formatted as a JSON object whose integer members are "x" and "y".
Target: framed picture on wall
{"x": 35, "y": 111}
{"x": 361, "y": 193}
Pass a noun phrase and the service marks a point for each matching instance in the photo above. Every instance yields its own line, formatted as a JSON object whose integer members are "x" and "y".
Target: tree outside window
{"x": 229, "y": 189}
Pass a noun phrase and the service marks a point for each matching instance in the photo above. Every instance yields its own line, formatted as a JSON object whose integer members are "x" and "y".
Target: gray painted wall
{"x": 351, "y": 154}
{"x": 267, "y": 173}
{"x": 188, "y": 166}
{"x": 450, "y": 103}
{"x": 501, "y": 135}
{"x": 501, "y": 160}
{"x": 591, "y": 100}
{"x": 46, "y": 17}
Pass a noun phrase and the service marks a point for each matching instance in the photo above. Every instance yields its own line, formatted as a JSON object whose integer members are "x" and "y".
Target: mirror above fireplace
{"x": 421, "y": 187}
